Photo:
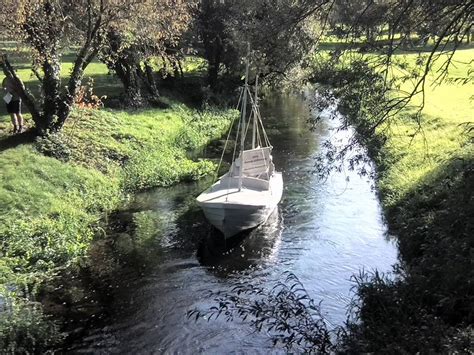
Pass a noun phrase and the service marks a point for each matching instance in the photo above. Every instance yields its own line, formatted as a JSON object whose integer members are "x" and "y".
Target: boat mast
{"x": 244, "y": 112}
{"x": 254, "y": 128}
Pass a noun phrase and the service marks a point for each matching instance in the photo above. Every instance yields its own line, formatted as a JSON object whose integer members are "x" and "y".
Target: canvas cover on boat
{"x": 257, "y": 163}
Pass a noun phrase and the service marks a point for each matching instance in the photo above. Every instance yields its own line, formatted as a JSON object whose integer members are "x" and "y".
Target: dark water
{"x": 324, "y": 231}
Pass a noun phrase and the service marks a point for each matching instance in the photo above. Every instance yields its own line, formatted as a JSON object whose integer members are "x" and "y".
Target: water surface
{"x": 324, "y": 231}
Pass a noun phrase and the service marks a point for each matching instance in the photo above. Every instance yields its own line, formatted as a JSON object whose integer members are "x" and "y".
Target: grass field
{"x": 416, "y": 152}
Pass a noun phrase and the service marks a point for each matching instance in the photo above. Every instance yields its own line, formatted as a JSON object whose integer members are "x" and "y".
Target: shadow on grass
{"x": 13, "y": 141}
{"x": 435, "y": 224}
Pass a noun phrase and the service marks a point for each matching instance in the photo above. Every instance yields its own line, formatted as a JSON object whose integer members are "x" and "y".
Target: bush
{"x": 24, "y": 329}
{"x": 54, "y": 145}
{"x": 394, "y": 319}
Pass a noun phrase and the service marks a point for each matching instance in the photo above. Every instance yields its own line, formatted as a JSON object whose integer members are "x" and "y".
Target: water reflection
{"x": 245, "y": 251}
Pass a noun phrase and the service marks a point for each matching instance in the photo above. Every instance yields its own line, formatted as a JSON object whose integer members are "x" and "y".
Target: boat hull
{"x": 231, "y": 221}
{"x": 232, "y": 215}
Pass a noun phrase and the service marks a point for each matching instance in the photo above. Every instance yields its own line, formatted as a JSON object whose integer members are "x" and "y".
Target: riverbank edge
{"x": 57, "y": 191}
{"x": 426, "y": 306}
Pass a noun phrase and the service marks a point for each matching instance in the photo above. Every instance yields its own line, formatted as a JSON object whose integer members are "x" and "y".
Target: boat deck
{"x": 224, "y": 192}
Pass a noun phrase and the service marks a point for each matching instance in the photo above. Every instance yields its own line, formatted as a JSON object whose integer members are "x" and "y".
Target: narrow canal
{"x": 324, "y": 231}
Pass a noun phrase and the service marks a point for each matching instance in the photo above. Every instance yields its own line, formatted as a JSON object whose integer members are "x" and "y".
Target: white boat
{"x": 247, "y": 194}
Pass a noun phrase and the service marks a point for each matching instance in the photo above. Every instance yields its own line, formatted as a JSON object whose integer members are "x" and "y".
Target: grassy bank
{"x": 55, "y": 191}
{"x": 426, "y": 183}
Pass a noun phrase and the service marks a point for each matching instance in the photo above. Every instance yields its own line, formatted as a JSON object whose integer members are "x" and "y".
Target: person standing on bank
{"x": 13, "y": 100}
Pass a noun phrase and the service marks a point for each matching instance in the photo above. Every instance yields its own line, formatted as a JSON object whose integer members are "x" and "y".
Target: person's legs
{"x": 20, "y": 121}
{"x": 14, "y": 122}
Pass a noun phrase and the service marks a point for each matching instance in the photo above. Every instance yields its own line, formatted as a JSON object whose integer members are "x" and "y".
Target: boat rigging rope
{"x": 227, "y": 139}
{"x": 258, "y": 117}
{"x": 259, "y": 121}
{"x": 259, "y": 133}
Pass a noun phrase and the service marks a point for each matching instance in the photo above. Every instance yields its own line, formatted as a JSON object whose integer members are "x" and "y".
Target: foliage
{"x": 386, "y": 315}
{"x": 24, "y": 329}
{"x": 435, "y": 230}
{"x": 447, "y": 24}
{"x": 353, "y": 90}
{"x": 163, "y": 168}
{"x": 359, "y": 18}
{"x": 87, "y": 99}
{"x": 53, "y": 145}
{"x": 281, "y": 35}
{"x": 131, "y": 51}
{"x": 394, "y": 319}
{"x": 286, "y": 313}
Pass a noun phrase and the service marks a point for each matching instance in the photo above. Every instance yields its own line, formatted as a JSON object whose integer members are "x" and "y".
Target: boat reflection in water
{"x": 246, "y": 250}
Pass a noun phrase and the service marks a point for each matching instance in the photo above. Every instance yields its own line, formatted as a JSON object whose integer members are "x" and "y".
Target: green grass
{"x": 415, "y": 154}
{"x": 47, "y": 205}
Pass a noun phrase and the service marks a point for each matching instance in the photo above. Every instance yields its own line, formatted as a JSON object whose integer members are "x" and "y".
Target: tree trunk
{"x": 469, "y": 36}
{"x": 148, "y": 80}
{"x": 214, "y": 59}
{"x": 212, "y": 73}
{"x": 128, "y": 75}
{"x": 211, "y": 25}
{"x": 181, "y": 73}
{"x": 66, "y": 102}
{"x": 51, "y": 80}
{"x": 407, "y": 40}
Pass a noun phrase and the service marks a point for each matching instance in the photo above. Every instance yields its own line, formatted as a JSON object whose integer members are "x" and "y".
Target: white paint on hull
{"x": 233, "y": 211}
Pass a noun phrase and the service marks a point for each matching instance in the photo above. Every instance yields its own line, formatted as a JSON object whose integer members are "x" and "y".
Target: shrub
{"x": 54, "y": 145}
{"x": 24, "y": 329}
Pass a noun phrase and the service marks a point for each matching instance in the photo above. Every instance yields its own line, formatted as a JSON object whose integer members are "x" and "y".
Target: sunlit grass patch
{"x": 55, "y": 200}
{"x": 418, "y": 148}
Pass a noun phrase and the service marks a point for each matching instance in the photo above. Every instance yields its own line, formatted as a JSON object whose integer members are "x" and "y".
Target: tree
{"x": 359, "y": 17}
{"x": 130, "y": 52}
{"x": 281, "y": 34}
{"x": 51, "y": 27}
{"x": 214, "y": 41}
